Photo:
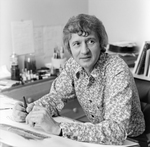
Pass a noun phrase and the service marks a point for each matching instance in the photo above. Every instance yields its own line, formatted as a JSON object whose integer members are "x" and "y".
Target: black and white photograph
{"x": 74, "y": 73}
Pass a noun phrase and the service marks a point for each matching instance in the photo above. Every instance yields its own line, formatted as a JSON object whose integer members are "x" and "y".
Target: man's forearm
{"x": 52, "y": 103}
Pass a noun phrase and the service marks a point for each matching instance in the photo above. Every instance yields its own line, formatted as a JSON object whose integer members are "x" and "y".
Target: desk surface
{"x": 13, "y": 139}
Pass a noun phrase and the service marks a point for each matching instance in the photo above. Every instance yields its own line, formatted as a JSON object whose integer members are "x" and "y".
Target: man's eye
{"x": 91, "y": 41}
{"x": 76, "y": 44}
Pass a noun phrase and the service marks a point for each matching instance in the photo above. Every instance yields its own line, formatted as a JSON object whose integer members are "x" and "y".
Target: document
{"x": 38, "y": 41}
{"x": 22, "y": 37}
{"x": 20, "y": 134}
{"x": 6, "y": 102}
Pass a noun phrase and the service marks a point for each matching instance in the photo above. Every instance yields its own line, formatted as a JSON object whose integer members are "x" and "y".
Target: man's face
{"x": 85, "y": 50}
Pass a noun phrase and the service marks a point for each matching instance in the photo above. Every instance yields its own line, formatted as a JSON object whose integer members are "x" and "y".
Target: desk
{"x": 35, "y": 90}
{"x": 13, "y": 139}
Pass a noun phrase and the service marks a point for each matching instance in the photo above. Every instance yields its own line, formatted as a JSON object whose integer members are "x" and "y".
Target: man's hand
{"x": 20, "y": 113}
{"x": 40, "y": 116}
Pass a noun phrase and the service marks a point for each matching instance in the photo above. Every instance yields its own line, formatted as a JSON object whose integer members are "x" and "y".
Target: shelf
{"x": 28, "y": 84}
{"x": 141, "y": 77}
{"x": 34, "y": 90}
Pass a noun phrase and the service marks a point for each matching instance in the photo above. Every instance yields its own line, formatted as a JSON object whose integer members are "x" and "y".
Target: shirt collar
{"x": 79, "y": 71}
{"x": 96, "y": 71}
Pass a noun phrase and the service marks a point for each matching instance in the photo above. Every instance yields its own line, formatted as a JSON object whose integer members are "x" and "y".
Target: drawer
{"x": 73, "y": 110}
{"x": 83, "y": 119}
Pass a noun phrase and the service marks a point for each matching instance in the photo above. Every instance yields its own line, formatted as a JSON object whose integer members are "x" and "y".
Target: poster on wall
{"x": 52, "y": 39}
{"x": 22, "y": 37}
{"x": 38, "y": 41}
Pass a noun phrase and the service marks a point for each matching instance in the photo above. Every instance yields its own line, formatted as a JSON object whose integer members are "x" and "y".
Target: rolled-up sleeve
{"x": 61, "y": 89}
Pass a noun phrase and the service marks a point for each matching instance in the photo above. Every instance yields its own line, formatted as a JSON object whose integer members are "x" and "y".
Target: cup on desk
{"x": 57, "y": 63}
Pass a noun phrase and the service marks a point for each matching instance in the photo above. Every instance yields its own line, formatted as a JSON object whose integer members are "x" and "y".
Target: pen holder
{"x": 57, "y": 63}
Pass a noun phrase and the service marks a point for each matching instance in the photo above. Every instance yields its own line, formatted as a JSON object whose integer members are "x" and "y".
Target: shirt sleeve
{"x": 117, "y": 113}
{"x": 61, "y": 89}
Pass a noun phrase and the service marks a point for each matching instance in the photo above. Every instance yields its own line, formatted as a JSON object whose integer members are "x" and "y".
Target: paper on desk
{"x": 7, "y": 83}
{"x": 54, "y": 141}
{"x": 4, "y": 73}
{"x": 16, "y": 140}
{"x": 6, "y": 102}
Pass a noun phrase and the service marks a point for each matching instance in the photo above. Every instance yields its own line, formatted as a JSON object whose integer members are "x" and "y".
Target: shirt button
{"x": 90, "y": 101}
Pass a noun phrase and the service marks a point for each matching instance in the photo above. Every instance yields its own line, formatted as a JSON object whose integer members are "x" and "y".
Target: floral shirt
{"x": 108, "y": 97}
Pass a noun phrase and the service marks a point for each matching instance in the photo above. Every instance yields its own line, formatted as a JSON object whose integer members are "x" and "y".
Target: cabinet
{"x": 73, "y": 110}
{"x": 33, "y": 90}
{"x": 37, "y": 89}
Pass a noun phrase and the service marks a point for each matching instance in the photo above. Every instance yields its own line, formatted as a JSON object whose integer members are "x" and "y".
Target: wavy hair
{"x": 83, "y": 25}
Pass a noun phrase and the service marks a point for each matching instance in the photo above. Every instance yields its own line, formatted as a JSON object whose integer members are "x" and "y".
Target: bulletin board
{"x": 46, "y": 38}
{"x": 22, "y": 37}
{"x": 40, "y": 40}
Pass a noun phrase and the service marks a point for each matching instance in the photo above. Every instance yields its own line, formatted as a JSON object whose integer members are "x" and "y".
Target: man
{"x": 102, "y": 83}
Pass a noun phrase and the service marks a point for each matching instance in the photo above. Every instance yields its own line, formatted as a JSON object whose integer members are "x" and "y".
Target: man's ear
{"x": 103, "y": 49}
{"x": 68, "y": 53}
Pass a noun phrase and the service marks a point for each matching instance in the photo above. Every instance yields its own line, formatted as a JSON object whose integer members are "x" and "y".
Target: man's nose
{"x": 84, "y": 48}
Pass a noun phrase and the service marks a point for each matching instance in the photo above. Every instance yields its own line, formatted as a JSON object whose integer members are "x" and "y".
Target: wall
{"x": 42, "y": 12}
{"x": 125, "y": 20}
{"x": 0, "y": 33}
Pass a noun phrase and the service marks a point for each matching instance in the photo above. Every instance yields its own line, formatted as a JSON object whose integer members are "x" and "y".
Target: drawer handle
{"x": 75, "y": 110}
{"x": 30, "y": 100}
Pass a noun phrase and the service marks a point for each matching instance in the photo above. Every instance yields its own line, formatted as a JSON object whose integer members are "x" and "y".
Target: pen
{"x": 24, "y": 102}
{"x": 5, "y": 108}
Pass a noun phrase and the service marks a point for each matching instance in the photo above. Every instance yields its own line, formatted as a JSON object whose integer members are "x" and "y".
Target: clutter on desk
{"x": 58, "y": 53}
{"x": 30, "y": 73}
{"x": 30, "y": 63}
{"x": 126, "y": 50}
{"x": 7, "y": 83}
{"x": 28, "y": 76}
{"x": 123, "y": 47}
{"x": 15, "y": 72}
{"x": 58, "y": 59}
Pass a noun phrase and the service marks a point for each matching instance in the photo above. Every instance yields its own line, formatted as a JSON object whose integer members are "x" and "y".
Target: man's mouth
{"x": 87, "y": 57}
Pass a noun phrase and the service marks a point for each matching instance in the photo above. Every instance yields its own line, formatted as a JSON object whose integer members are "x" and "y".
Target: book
{"x": 147, "y": 63}
{"x": 140, "y": 67}
{"x": 140, "y": 63}
{"x": 148, "y": 74}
